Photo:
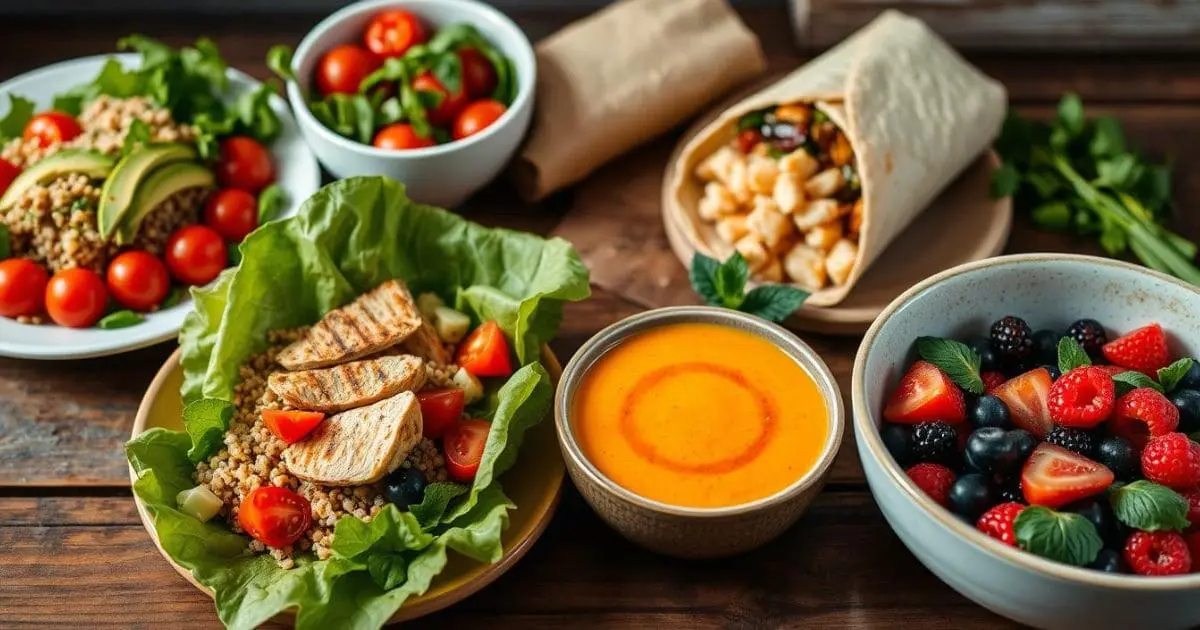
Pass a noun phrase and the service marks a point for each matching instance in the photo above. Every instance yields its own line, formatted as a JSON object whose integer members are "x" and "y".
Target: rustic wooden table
{"x": 75, "y": 553}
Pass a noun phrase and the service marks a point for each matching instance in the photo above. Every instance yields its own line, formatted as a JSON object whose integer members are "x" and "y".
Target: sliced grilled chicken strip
{"x": 349, "y": 385}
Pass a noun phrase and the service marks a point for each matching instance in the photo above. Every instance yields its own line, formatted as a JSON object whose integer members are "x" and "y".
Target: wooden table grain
{"x": 75, "y": 553}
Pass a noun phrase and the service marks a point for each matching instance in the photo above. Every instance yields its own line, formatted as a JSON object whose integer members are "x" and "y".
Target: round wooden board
{"x": 962, "y": 225}
{"x": 534, "y": 484}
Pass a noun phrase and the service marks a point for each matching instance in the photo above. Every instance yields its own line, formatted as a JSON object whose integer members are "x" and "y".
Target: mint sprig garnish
{"x": 1170, "y": 376}
{"x": 958, "y": 360}
{"x": 1149, "y": 507}
{"x": 1060, "y": 536}
{"x": 724, "y": 284}
{"x": 1129, "y": 381}
{"x": 1071, "y": 355}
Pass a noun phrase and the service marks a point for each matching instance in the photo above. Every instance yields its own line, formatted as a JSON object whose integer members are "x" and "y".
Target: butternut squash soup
{"x": 700, "y": 415}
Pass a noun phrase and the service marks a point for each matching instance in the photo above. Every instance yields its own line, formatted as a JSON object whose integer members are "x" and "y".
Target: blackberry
{"x": 935, "y": 442}
{"x": 1090, "y": 334}
{"x": 1012, "y": 339}
{"x": 1011, "y": 490}
{"x": 1072, "y": 439}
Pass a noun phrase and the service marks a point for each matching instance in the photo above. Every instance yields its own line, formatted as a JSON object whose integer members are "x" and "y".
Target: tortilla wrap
{"x": 914, "y": 111}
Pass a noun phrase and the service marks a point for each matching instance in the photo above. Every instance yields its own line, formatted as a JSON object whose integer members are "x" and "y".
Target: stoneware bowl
{"x": 684, "y": 531}
{"x": 1050, "y": 291}
{"x": 442, "y": 175}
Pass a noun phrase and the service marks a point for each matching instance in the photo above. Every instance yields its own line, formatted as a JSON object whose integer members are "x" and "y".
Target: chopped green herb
{"x": 724, "y": 284}
{"x": 120, "y": 319}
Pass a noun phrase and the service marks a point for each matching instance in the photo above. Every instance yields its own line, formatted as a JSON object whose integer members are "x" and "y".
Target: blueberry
{"x": 1187, "y": 401}
{"x": 1055, "y": 373}
{"x": 1100, "y": 515}
{"x": 1109, "y": 561}
{"x": 971, "y": 496}
{"x": 994, "y": 451}
{"x": 1045, "y": 346}
{"x": 1191, "y": 380}
{"x": 989, "y": 411}
{"x": 1023, "y": 443}
{"x": 404, "y": 487}
{"x": 1119, "y": 457}
{"x": 898, "y": 440}
{"x": 988, "y": 359}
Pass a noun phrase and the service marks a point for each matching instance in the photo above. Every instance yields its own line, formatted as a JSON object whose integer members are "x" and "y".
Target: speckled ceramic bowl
{"x": 684, "y": 531}
{"x": 1049, "y": 290}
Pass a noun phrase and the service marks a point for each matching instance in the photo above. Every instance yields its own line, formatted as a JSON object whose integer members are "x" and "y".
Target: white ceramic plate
{"x": 296, "y": 172}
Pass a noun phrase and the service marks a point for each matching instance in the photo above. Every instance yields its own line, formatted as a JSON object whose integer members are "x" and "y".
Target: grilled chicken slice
{"x": 359, "y": 446}
{"x": 349, "y": 385}
{"x": 426, "y": 344}
{"x": 378, "y": 319}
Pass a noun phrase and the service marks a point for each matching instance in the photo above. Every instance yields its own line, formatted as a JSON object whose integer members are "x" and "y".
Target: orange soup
{"x": 700, "y": 415}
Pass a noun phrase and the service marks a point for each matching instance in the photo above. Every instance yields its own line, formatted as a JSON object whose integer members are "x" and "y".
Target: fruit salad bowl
{"x": 1050, "y": 291}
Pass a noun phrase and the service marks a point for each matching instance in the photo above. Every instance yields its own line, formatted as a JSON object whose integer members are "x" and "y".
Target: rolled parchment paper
{"x": 613, "y": 80}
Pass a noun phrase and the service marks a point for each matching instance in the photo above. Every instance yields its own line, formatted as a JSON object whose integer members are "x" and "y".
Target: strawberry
{"x": 1082, "y": 398}
{"x": 1157, "y": 553}
{"x": 1054, "y": 476}
{"x": 1172, "y": 460}
{"x": 998, "y": 522}
{"x": 992, "y": 380}
{"x": 1026, "y": 398}
{"x": 1142, "y": 414}
{"x": 925, "y": 394}
{"x": 934, "y": 479}
{"x": 1144, "y": 350}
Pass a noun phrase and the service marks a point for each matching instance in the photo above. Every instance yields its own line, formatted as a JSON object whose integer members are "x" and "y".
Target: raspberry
{"x": 1012, "y": 338}
{"x": 1082, "y": 398}
{"x": 998, "y": 522}
{"x": 1111, "y": 370}
{"x": 1076, "y": 440}
{"x": 934, "y": 479}
{"x": 1172, "y": 460}
{"x": 1144, "y": 350}
{"x": 1141, "y": 414}
{"x": 1193, "y": 498}
{"x": 1157, "y": 553}
{"x": 992, "y": 380}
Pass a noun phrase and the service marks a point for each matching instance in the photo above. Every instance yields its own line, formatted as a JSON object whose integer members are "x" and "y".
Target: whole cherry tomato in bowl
{"x": 52, "y": 127}
{"x": 449, "y": 104}
{"x": 245, "y": 163}
{"x": 392, "y": 33}
{"x": 343, "y": 69}
{"x": 478, "y": 73}
{"x": 401, "y": 136}
{"x": 476, "y": 117}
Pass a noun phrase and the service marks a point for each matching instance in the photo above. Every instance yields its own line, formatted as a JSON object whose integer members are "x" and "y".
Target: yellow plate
{"x": 534, "y": 484}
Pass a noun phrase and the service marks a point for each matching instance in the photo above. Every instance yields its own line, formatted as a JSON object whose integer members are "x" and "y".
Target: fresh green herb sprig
{"x": 1077, "y": 175}
{"x": 724, "y": 284}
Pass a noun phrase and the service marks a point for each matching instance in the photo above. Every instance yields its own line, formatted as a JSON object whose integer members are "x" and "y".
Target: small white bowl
{"x": 1049, "y": 290}
{"x": 443, "y": 175}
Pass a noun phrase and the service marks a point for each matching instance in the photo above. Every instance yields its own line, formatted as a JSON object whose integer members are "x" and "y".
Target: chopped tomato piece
{"x": 464, "y": 446}
{"x": 485, "y": 352}
{"x": 925, "y": 393}
{"x": 440, "y": 409}
{"x": 275, "y": 516}
{"x": 291, "y": 426}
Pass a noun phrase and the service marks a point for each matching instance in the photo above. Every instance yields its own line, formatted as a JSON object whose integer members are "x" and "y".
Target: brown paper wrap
{"x": 915, "y": 112}
{"x": 624, "y": 75}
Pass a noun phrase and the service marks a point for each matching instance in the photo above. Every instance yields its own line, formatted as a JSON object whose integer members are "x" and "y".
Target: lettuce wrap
{"x": 349, "y": 237}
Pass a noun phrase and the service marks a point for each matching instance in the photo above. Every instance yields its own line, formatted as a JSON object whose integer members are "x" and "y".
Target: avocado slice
{"x": 160, "y": 184}
{"x": 91, "y": 163}
{"x": 119, "y": 191}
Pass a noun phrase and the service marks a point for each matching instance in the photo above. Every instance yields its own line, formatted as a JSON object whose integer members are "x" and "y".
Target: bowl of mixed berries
{"x": 1028, "y": 426}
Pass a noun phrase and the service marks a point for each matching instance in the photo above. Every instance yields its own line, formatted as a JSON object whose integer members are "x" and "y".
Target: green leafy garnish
{"x": 1170, "y": 376}
{"x": 20, "y": 111}
{"x": 1071, "y": 355}
{"x": 724, "y": 284}
{"x": 436, "y": 500}
{"x": 1060, "y": 536}
{"x": 1149, "y": 507}
{"x": 174, "y": 296}
{"x": 137, "y": 136}
{"x": 1128, "y": 381}
{"x": 270, "y": 201}
{"x": 956, "y": 359}
{"x": 120, "y": 319}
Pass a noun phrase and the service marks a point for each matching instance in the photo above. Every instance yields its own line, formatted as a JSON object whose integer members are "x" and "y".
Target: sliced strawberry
{"x": 1026, "y": 396}
{"x": 925, "y": 394}
{"x": 1144, "y": 350}
{"x": 1054, "y": 476}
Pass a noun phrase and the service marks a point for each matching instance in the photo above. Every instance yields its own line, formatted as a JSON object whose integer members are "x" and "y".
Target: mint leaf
{"x": 956, "y": 359}
{"x": 120, "y": 319}
{"x": 1129, "y": 381}
{"x": 703, "y": 275}
{"x": 774, "y": 302}
{"x": 720, "y": 284}
{"x": 1060, "y": 536}
{"x": 1149, "y": 507}
{"x": 1071, "y": 355}
{"x": 1170, "y": 376}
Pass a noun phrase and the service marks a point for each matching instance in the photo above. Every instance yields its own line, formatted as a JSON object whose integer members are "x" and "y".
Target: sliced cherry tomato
{"x": 440, "y": 409}
{"x": 476, "y": 117}
{"x": 450, "y": 104}
{"x": 392, "y": 33}
{"x": 76, "y": 297}
{"x": 478, "y": 73}
{"x": 747, "y": 139}
{"x": 291, "y": 426}
{"x": 22, "y": 287}
{"x": 485, "y": 352}
{"x": 464, "y": 446}
{"x": 138, "y": 280}
{"x": 245, "y": 164}
{"x": 232, "y": 212}
{"x": 400, "y": 136}
{"x": 343, "y": 69}
{"x": 8, "y": 173}
{"x": 274, "y": 516}
{"x": 196, "y": 254}
{"x": 49, "y": 128}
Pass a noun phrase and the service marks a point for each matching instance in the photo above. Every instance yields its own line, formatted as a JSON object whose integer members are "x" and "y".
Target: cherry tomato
{"x": 274, "y": 516}
{"x": 478, "y": 73}
{"x": 485, "y": 352}
{"x": 196, "y": 254}
{"x": 747, "y": 139}
{"x": 392, "y": 33}
{"x": 138, "y": 280}
{"x": 343, "y": 69}
{"x": 450, "y": 105}
{"x": 232, "y": 212}
{"x": 291, "y": 426}
{"x": 22, "y": 287}
{"x": 400, "y": 136}
{"x": 8, "y": 173}
{"x": 464, "y": 446}
{"x": 477, "y": 117}
{"x": 440, "y": 409}
{"x": 76, "y": 297}
{"x": 245, "y": 164}
{"x": 48, "y": 128}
